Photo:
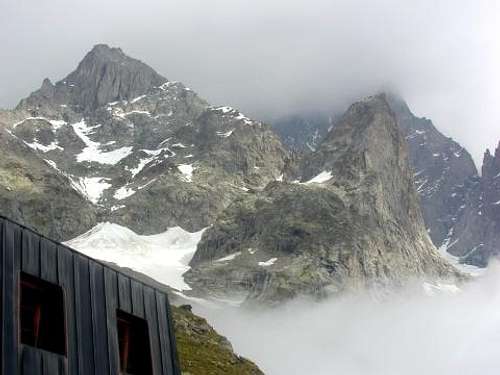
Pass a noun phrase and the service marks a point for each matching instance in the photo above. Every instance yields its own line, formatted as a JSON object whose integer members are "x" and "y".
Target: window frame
{"x": 64, "y": 298}
{"x": 131, "y": 319}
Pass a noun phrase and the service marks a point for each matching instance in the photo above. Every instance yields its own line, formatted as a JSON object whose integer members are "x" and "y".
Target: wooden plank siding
{"x": 92, "y": 293}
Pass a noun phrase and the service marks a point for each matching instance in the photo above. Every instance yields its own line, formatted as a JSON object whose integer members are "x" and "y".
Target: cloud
{"x": 269, "y": 58}
{"x": 355, "y": 335}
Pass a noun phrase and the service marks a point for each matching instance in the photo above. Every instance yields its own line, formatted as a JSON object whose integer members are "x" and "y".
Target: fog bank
{"x": 410, "y": 335}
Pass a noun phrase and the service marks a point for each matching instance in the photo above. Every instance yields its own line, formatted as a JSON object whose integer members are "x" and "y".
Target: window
{"x": 133, "y": 337}
{"x": 42, "y": 315}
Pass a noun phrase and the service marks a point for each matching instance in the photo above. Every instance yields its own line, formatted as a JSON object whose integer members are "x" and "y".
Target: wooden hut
{"x": 64, "y": 313}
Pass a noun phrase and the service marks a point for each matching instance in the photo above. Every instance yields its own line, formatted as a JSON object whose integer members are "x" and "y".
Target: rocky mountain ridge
{"x": 448, "y": 184}
{"x": 159, "y": 156}
{"x": 352, "y": 220}
{"x": 476, "y": 236}
{"x": 144, "y": 152}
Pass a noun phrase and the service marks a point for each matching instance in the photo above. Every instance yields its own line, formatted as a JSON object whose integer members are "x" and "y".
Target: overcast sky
{"x": 272, "y": 57}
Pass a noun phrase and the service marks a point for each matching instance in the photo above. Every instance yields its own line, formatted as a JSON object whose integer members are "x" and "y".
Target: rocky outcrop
{"x": 105, "y": 75}
{"x": 35, "y": 195}
{"x": 445, "y": 176}
{"x": 443, "y": 170}
{"x": 353, "y": 221}
{"x": 144, "y": 152}
{"x": 476, "y": 236}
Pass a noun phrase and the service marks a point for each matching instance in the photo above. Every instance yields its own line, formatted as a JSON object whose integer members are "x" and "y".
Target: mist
{"x": 272, "y": 58}
{"x": 411, "y": 334}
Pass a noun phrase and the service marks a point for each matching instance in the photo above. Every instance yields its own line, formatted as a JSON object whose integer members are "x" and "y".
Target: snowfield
{"x": 90, "y": 187}
{"x": 92, "y": 151}
{"x": 164, "y": 256}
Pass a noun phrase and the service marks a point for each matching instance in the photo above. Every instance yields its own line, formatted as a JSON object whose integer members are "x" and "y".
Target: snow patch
{"x": 187, "y": 171}
{"x": 56, "y": 124}
{"x": 147, "y": 184}
{"x": 225, "y": 134}
{"x": 179, "y": 145}
{"x": 120, "y": 114}
{"x": 455, "y": 261}
{"x": 44, "y": 148}
{"x": 123, "y": 192}
{"x": 91, "y": 187}
{"x": 225, "y": 109}
{"x": 135, "y": 100}
{"x": 268, "y": 263}
{"x": 145, "y": 161}
{"x": 92, "y": 150}
{"x": 164, "y": 256}
{"x": 320, "y": 178}
{"x": 228, "y": 258}
{"x": 244, "y": 118}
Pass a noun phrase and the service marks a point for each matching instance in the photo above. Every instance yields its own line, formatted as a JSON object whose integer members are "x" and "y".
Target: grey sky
{"x": 269, "y": 58}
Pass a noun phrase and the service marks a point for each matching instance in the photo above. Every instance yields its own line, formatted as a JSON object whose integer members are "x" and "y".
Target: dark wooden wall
{"x": 92, "y": 294}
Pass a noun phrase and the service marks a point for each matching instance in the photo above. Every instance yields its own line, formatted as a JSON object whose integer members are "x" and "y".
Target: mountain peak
{"x": 106, "y": 74}
{"x": 107, "y": 51}
{"x": 104, "y": 54}
{"x": 491, "y": 163}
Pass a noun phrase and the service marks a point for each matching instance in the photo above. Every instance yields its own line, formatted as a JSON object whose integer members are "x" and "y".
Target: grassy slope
{"x": 202, "y": 351}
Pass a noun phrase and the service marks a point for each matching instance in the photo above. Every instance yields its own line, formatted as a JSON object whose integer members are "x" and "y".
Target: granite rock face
{"x": 351, "y": 221}
{"x": 105, "y": 75}
{"x": 443, "y": 170}
{"x": 447, "y": 182}
{"x": 476, "y": 236}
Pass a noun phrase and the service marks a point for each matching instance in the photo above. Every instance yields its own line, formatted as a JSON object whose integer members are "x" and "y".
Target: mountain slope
{"x": 444, "y": 170}
{"x": 146, "y": 153}
{"x": 34, "y": 194}
{"x": 202, "y": 351}
{"x": 354, "y": 221}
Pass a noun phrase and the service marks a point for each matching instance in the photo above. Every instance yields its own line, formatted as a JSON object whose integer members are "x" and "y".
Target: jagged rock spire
{"x": 104, "y": 75}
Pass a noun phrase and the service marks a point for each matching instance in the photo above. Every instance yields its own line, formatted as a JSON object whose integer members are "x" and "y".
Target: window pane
{"x": 42, "y": 315}
{"x": 133, "y": 338}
